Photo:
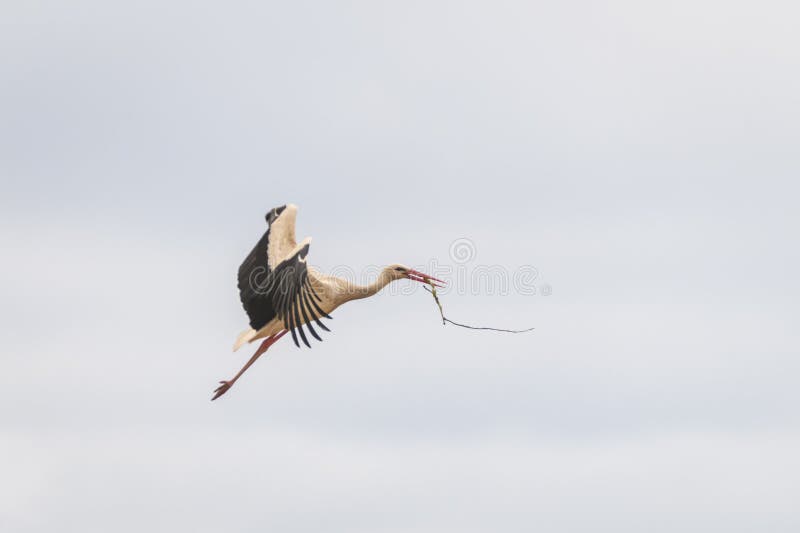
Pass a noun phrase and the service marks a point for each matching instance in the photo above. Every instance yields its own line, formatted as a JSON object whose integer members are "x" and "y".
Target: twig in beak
{"x": 432, "y": 290}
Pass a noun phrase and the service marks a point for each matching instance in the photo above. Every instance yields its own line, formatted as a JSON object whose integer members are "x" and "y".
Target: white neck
{"x": 365, "y": 291}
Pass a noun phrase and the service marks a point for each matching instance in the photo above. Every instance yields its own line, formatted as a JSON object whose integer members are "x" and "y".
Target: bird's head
{"x": 398, "y": 271}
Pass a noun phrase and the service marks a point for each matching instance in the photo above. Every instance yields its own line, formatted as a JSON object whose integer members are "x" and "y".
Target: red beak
{"x": 416, "y": 275}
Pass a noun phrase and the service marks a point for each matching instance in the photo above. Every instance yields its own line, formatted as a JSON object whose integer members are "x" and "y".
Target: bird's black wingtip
{"x": 274, "y": 213}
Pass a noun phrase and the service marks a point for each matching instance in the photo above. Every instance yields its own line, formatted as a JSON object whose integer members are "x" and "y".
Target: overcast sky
{"x": 641, "y": 156}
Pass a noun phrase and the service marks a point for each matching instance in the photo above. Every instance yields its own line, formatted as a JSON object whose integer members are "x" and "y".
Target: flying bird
{"x": 282, "y": 293}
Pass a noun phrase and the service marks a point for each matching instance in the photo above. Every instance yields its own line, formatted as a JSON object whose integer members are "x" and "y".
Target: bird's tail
{"x": 243, "y": 338}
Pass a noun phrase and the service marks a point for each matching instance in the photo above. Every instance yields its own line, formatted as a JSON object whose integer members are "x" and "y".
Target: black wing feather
{"x": 296, "y": 313}
{"x": 302, "y": 307}
{"x": 254, "y": 277}
{"x": 290, "y": 291}
{"x": 311, "y": 313}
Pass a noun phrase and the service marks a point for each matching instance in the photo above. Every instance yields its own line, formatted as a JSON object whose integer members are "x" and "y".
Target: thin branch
{"x": 445, "y": 320}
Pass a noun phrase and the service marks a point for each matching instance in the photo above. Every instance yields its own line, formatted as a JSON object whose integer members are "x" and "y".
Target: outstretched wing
{"x": 293, "y": 297}
{"x": 269, "y": 251}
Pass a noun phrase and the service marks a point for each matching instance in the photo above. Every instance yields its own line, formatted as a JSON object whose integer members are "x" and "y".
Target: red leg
{"x": 225, "y": 385}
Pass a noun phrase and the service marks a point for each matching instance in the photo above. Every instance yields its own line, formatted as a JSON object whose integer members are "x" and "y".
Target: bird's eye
{"x": 399, "y": 269}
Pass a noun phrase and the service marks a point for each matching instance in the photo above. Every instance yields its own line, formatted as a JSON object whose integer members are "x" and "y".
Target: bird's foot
{"x": 222, "y": 389}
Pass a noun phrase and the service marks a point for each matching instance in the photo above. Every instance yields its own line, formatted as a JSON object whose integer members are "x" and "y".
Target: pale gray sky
{"x": 642, "y": 156}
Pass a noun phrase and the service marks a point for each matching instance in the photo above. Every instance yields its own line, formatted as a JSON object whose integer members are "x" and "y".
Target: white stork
{"x": 281, "y": 293}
